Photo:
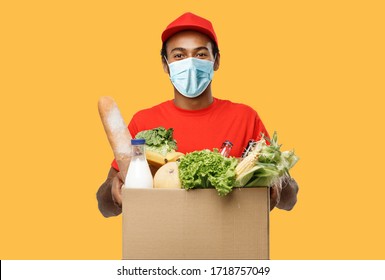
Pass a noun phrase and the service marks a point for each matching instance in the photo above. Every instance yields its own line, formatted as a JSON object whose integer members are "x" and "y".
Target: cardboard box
{"x": 195, "y": 224}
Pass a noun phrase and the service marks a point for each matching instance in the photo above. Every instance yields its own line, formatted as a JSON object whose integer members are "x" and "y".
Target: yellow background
{"x": 314, "y": 71}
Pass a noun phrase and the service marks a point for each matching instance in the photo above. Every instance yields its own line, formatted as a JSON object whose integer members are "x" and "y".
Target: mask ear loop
{"x": 168, "y": 66}
{"x": 215, "y": 58}
{"x": 165, "y": 58}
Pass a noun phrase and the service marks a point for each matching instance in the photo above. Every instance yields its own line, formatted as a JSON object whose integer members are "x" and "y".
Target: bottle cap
{"x": 138, "y": 141}
{"x": 227, "y": 142}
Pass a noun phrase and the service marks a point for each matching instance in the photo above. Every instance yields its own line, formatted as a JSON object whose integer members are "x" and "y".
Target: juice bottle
{"x": 226, "y": 148}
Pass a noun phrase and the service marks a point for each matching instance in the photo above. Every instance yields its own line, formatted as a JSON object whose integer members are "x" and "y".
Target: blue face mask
{"x": 191, "y": 76}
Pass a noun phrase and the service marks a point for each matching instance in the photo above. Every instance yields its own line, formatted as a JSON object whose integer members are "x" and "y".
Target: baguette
{"x": 117, "y": 132}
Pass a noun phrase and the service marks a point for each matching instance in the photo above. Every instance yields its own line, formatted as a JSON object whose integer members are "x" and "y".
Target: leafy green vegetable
{"x": 207, "y": 169}
{"x": 159, "y": 140}
{"x": 263, "y": 175}
{"x": 271, "y": 164}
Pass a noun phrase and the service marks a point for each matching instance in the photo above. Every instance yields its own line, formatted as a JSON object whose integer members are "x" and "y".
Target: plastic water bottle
{"x": 138, "y": 173}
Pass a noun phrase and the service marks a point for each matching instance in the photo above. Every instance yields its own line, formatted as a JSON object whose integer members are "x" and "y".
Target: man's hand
{"x": 116, "y": 189}
{"x": 109, "y": 195}
{"x": 288, "y": 195}
{"x": 283, "y": 195}
{"x": 117, "y": 183}
{"x": 275, "y": 195}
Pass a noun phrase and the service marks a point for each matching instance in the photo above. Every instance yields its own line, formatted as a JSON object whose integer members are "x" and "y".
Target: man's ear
{"x": 165, "y": 66}
{"x": 217, "y": 62}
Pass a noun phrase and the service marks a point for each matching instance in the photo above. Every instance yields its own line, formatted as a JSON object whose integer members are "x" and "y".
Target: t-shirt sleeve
{"x": 259, "y": 128}
{"x": 114, "y": 164}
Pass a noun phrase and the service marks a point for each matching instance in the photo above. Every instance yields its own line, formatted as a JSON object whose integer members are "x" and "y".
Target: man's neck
{"x": 202, "y": 101}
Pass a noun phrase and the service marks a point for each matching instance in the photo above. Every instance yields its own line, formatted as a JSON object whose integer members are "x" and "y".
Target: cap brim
{"x": 173, "y": 30}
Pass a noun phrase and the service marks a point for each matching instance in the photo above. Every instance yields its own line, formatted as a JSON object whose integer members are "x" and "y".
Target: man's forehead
{"x": 189, "y": 39}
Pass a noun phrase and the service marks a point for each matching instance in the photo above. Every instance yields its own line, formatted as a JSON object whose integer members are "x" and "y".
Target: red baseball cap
{"x": 189, "y": 21}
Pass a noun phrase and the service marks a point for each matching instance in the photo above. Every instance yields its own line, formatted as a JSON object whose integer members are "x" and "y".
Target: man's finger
{"x": 274, "y": 196}
{"x": 288, "y": 195}
{"x": 116, "y": 191}
{"x": 120, "y": 177}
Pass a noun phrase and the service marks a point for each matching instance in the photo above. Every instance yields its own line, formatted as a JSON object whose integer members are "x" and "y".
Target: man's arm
{"x": 107, "y": 205}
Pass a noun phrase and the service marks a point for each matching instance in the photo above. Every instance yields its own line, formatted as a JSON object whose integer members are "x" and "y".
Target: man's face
{"x": 187, "y": 44}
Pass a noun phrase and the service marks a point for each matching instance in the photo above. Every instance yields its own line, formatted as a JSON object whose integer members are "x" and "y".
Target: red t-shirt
{"x": 202, "y": 129}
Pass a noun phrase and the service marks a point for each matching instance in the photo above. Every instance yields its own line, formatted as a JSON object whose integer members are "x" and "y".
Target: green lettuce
{"x": 207, "y": 169}
{"x": 159, "y": 140}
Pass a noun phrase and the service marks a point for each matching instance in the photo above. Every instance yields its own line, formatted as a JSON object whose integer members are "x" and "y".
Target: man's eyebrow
{"x": 183, "y": 49}
{"x": 201, "y": 48}
{"x": 177, "y": 49}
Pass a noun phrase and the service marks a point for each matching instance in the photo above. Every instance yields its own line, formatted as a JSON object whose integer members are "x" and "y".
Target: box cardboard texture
{"x": 195, "y": 224}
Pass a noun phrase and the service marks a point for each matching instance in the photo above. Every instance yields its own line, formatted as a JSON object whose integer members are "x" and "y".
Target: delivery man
{"x": 190, "y": 55}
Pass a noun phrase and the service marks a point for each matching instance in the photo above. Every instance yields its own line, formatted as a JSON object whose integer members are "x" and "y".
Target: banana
{"x": 155, "y": 159}
{"x": 173, "y": 156}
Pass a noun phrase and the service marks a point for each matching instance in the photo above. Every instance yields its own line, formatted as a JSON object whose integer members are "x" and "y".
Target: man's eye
{"x": 178, "y": 55}
{"x": 201, "y": 54}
